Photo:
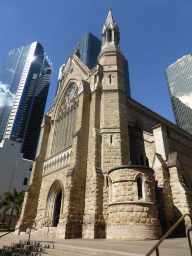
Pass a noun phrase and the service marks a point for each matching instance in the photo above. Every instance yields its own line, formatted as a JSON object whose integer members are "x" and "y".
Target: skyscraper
{"x": 89, "y": 48}
{"x": 24, "y": 85}
{"x": 179, "y": 81}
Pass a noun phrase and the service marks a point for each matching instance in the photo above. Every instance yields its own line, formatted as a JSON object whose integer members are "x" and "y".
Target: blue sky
{"x": 154, "y": 34}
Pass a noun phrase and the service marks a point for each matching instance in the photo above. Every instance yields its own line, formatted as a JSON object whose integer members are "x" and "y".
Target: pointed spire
{"x": 110, "y": 22}
{"x": 110, "y": 32}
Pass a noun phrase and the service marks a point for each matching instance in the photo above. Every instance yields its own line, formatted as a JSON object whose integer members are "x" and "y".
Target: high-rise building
{"x": 179, "y": 81}
{"x": 24, "y": 85}
{"x": 89, "y": 48}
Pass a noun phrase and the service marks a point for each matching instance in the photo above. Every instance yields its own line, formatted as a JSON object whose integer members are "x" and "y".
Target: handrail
{"x": 167, "y": 234}
{"x": 48, "y": 221}
{"x": 25, "y": 223}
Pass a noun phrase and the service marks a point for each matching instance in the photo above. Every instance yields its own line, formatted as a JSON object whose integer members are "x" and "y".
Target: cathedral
{"x": 107, "y": 167}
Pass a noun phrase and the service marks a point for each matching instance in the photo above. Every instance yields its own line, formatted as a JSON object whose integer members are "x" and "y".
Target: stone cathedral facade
{"x": 107, "y": 167}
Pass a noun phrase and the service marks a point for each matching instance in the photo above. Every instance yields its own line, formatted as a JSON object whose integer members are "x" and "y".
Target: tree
{"x": 1, "y": 202}
{"x": 12, "y": 200}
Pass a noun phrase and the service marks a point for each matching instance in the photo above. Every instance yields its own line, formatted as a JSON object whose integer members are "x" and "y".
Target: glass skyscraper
{"x": 179, "y": 81}
{"x": 24, "y": 85}
{"x": 89, "y": 48}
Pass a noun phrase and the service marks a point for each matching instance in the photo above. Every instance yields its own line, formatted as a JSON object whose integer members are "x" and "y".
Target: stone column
{"x": 30, "y": 203}
{"x": 93, "y": 226}
{"x": 181, "y": 196}
{"x": 161, "y": 140}
{"x": 76, "y": 177}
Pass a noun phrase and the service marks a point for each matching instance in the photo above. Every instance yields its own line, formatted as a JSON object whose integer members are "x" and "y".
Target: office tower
{"x": 179, "y": 81}
{"x": 24, "y": 85}
{"x": 89, "y": 48}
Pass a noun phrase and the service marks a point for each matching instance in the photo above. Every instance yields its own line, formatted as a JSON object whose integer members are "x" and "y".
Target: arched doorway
{"x": 56, "y": 214}
{"x": 55, "y": 203}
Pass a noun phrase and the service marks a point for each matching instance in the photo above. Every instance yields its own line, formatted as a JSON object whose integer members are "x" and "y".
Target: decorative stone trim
{"x": 57, "y": 161}
{"x": 131, "y": 202}
{"x": 130, "y": 167}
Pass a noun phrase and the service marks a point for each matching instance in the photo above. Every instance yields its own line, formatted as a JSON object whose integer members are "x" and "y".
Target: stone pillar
{"x": 161, "y": 140}
{"x": 50, "y": 141}
{"x": 30, "y": 203}
{"x": 94, "y": 226}
{"x": 166, "y": 211}
{"x": 76, "y": 177}
{"x": 181, "y": 196}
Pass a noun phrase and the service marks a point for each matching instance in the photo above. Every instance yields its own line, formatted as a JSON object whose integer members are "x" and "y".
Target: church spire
{"x": 110, "y": 32}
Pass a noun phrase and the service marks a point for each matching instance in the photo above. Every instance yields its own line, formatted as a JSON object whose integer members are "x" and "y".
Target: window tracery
{"x": 65, "y": 119}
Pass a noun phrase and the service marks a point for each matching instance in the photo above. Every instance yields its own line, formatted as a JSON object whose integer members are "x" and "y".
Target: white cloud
{"x": 6, "y": 97}
{"x": 11, "y": 70}
{"x": 186, "y": 99}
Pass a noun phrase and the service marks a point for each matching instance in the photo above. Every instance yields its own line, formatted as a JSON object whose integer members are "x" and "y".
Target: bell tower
{"x": 113, "y": 124}
{"x": 110, "y": 32}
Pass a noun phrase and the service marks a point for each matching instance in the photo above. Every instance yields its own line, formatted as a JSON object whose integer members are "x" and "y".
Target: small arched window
{"x": 141, "y": 159}
{"x": 95, "y": 79}
{"x": 110, "y": 35}
{"x": 110, "y": 79}
{"x": 139, "y": 187}
{"x": 147, "y": 162}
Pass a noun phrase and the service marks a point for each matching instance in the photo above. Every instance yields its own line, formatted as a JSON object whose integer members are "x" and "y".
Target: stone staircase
{"x": 37, "y": 248}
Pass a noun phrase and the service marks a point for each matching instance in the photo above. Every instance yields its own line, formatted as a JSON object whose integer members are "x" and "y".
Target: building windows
{"x": 111, "y": 139}
{"x": 139, "y": 188}
{"x": 25, "y": 181}
{"x": 110, "y": 35}
{"x": 141, "y": 159}
{"x": 95, "y": 79}
{"x": 110, "y": 78}
{"x": 147, "y": 162}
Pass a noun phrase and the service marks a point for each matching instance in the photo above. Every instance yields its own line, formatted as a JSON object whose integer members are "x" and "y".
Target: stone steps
{"x": 39, "y": 249}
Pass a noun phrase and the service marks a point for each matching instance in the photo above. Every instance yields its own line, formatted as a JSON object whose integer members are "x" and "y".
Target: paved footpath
{"x": 170, "y": 247}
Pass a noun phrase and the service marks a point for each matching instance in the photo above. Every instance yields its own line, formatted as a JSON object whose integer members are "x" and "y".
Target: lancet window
{"x": 65, "y": 120}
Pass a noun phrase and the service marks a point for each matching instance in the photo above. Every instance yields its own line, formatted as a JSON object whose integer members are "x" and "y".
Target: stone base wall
{"x": 133, "y": 221}
{"x": 133, "y": 232}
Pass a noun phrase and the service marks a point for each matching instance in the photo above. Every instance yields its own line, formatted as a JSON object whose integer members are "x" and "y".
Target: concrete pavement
{"x": 170, "y": 247}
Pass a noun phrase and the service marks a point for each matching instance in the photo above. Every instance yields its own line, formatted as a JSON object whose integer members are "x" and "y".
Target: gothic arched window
{"x": 139, "y": 187}
{"x": 110, "y": 35}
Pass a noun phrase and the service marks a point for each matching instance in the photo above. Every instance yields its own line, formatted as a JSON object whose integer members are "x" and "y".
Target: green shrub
{"x": 5, "y": 229}
{"x": 3, "y": 225}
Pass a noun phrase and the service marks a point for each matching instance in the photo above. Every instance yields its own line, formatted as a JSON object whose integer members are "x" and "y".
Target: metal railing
{"x": 155, "y": 247}
{"x": 48, "y": 222}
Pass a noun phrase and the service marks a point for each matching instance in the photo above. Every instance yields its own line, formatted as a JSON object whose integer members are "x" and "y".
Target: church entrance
{"x": 57, "y": 209}
{"x": 54, "y": 203}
